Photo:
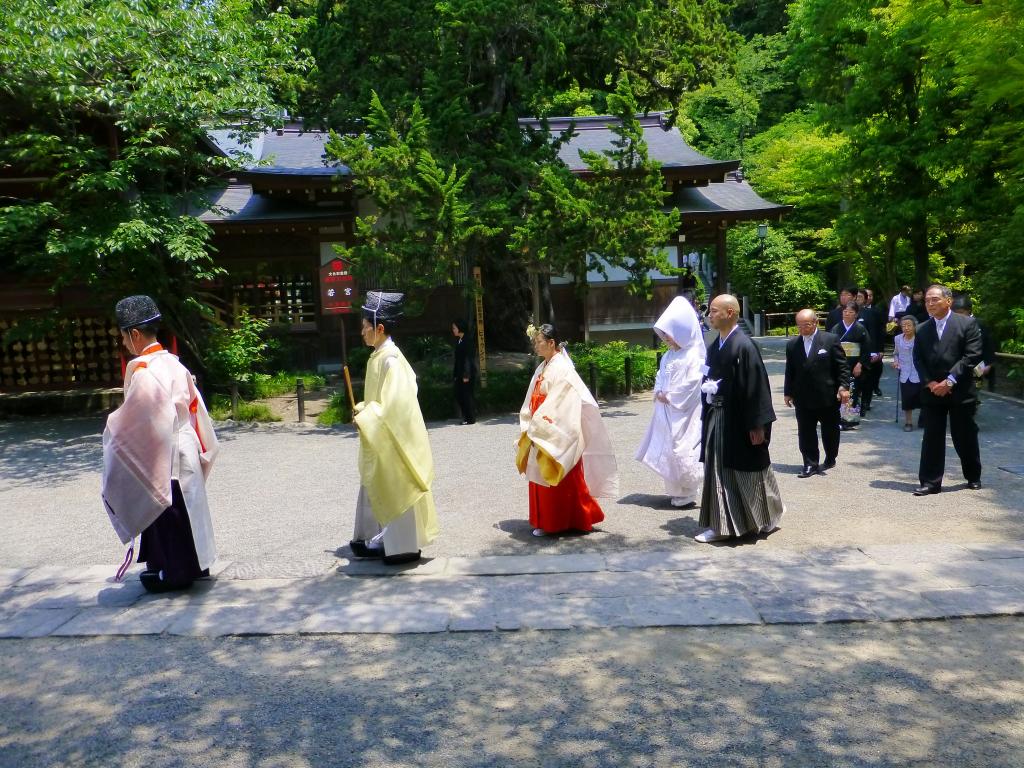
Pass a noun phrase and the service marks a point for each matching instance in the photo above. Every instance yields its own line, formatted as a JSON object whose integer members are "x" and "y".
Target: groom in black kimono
{"x": 740, "y": 494}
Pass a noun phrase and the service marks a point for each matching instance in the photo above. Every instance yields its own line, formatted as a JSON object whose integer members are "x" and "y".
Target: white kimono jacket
{"x": 161, "y": 432}
{"x": 671, "y": 446}
{"x": 567, "y": 427}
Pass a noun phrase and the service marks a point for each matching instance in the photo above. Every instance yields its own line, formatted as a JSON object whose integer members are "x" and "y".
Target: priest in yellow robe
{"x": 395, "y": 515}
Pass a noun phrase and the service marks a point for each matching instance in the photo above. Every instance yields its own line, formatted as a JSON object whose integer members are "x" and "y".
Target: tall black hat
{"x": 133, "y": 311}
{"x": 383, "y": 306}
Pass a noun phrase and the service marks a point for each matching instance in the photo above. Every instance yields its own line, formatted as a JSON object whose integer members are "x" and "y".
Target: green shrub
{"x": 428, "y": 348}
{"x": 235, "y": 354}
{"x": 357, "y": 361}
{"x": 610, "y": 359}
{"x": 220, "y": 409}
{"x": 337, "y": 411}
{"x": 283, "y": 383}
{"x": 504, "y": 393}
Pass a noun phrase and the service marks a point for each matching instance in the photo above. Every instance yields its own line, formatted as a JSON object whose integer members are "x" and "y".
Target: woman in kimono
{"x": 671, "y": 446}
{"x": 158, "y": 448}
{"x": 564, "y": 449}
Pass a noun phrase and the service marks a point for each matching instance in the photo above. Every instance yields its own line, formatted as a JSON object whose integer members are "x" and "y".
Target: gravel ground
{"x": 286, "y": 493}
{"x": 924, "y": 694}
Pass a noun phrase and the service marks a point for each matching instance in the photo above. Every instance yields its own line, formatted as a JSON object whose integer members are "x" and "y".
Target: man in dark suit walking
{"x": 835, "y": 315}
{"x": 948, "y": 347}
{"x": 817, "y": 381}
{"x": 464, "y": 371}
{"x": 875, "y": 325}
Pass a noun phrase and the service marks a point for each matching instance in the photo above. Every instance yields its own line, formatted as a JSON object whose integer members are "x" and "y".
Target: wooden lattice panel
{"x": 84, "y": 352}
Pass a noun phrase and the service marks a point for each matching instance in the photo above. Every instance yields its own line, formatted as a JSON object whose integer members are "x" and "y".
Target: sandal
{"x": 908, "y": 427}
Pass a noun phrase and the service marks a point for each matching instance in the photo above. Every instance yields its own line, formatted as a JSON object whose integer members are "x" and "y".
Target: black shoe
{"x": 974, "y": 485}
{"x": 927, "y": 490}
{"x": 359, "y": 549}
{"x": 808, "y": 471}
{"x": 865, "y": 411}
{"x": 829, "y": 464}
{"x": 878, "y": 393}
{"x": 402, "y": 559}
{"x": 152, "y": 582}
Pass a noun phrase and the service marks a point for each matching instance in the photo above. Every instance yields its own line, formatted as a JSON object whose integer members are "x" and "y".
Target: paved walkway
{"x": 698, "y": 587}
{"x": 855, "y": 545}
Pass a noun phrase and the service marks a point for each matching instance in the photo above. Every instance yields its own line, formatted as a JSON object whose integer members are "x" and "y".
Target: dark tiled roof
{"x": 667, "y": 146}
{"x": 735, "y": 200}
{"x": 237, "y": 204}
{"x": 290, "y": 152}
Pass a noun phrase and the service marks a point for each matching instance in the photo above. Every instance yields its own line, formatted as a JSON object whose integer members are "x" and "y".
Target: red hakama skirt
{"x": 566, "y": 506}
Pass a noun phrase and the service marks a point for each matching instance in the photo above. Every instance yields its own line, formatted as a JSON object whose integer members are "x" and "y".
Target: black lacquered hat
{"x": 133, "y": 311}
{"x": 383, "y": 306}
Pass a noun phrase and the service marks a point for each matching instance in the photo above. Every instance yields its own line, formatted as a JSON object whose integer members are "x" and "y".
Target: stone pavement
{"x": 715, "y": 585}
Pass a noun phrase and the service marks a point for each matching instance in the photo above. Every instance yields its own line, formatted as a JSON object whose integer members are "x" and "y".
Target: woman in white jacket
{"x": 671, "y": 446}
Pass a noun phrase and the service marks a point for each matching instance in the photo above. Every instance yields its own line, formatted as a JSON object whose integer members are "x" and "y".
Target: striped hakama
{"x": 734, "y": 502}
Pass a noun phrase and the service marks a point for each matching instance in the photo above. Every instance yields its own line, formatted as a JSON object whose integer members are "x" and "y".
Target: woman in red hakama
{"x": 561, "y": 432}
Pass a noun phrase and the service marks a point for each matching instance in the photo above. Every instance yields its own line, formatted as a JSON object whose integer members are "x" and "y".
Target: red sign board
{"x": 337, "y": 288}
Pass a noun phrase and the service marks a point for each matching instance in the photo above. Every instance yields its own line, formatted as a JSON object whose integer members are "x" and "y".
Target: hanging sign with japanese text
{"x": 337, "y": 288}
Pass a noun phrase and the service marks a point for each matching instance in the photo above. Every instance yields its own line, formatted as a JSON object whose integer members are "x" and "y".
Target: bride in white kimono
{"x": 671, "y": 446}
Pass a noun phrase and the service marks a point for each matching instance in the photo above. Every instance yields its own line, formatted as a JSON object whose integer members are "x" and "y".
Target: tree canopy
{"x": 108, "y": 102}
{"x": 470, "y": 69}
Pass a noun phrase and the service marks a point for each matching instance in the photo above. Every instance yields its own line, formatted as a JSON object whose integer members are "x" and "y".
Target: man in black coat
{"x": 740, "y": 494}
{"x": 835, "y": 315}
{"x": 817, "y": 381}
{"x": 947, "y": 349}
{"x": 464, "y": 371}
{"x": 875, "y": 325}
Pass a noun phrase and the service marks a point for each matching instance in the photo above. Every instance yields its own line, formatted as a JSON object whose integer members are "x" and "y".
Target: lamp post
{"x": 762, "y": 233}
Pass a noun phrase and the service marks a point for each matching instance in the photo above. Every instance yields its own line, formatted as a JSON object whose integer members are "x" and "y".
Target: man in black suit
{"x": 947, "y": 349}
{"x": 835, "y": 315}
{"x": 875, "y": 325}
{"x": 817, "y": 381}
{"x": 464, "y": 371}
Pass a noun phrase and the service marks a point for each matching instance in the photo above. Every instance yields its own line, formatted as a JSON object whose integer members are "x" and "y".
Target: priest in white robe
{"x": 671, "y": 446}
{"x": 158, "y": 449}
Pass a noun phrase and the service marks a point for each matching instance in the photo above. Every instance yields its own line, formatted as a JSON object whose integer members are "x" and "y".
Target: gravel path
{"x": 286, "y": 493}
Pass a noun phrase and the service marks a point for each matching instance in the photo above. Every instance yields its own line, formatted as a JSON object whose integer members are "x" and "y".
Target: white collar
{"x": 721, "y": 341}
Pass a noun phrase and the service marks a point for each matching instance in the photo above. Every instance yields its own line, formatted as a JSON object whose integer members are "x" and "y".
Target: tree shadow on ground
{"x": 50, "y": 451}
{"x": 874, "y": 696}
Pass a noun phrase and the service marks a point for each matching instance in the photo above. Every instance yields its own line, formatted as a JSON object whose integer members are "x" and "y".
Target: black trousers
{"x": 464, "y": 397}
{"x": 807, "y": 421}
{"x": 167, "y": 544}
{"x": 964, "y": 431}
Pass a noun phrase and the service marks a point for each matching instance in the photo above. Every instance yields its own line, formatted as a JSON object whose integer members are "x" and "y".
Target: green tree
{"x": 108, "y": 102}
{"x": 777, "y": 278}
{"x": 476, "y": 67}
{"x": 611, "y": 216}
{"x": 418, "y": 235}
